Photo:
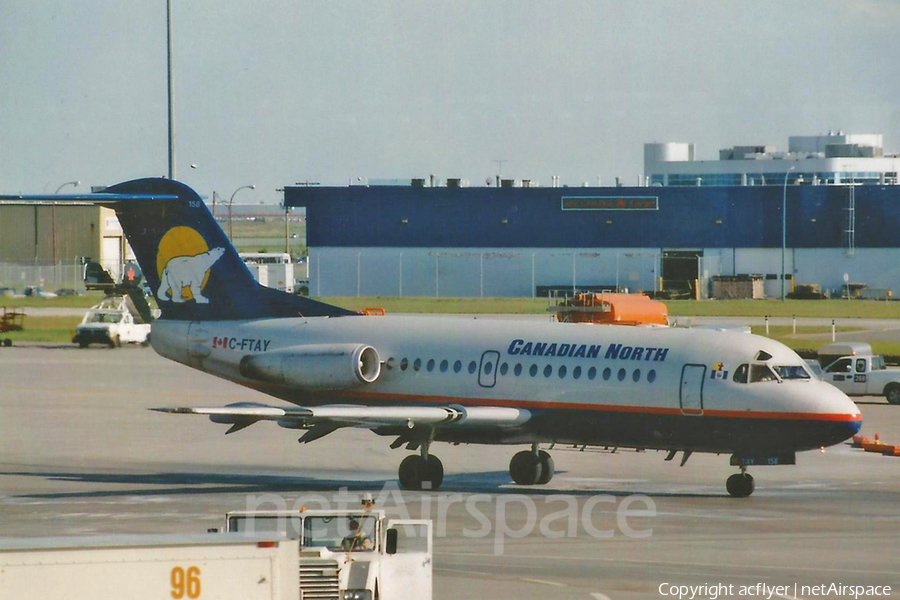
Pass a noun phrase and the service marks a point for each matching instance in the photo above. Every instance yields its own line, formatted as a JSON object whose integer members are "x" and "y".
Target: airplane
{"x": 427, "y": 379}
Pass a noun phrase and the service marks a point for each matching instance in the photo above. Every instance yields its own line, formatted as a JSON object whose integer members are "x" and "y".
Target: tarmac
{"x": 81, "y": 454}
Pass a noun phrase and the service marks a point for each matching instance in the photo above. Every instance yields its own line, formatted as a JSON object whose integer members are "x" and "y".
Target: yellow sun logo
{"x": 179, "y": 242}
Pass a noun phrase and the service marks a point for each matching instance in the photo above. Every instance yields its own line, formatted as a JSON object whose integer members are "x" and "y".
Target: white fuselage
{"x": 631, "y": 386}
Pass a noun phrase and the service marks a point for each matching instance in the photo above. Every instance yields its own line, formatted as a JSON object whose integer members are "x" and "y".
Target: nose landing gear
{"x": 740, "y": 485}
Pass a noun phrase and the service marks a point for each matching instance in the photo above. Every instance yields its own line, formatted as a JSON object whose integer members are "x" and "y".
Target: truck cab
{"x": 351, "y": 554}
{"x": 852, "y": 368}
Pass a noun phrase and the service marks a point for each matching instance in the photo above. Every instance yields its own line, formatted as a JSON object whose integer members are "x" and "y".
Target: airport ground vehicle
{"x": 11, "y": 320}
{"x": 353, "y": 554}
{"x": 271, "y": 269}
{"x": 149, "y": 567}
{"x": 111, "y": 323}
{"x": 852, "y": 368}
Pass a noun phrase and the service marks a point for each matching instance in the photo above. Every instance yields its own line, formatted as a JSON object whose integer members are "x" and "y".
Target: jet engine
{"x": 315, "y": 367}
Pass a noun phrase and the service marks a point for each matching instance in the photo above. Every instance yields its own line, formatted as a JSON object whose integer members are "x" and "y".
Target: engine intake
{"x": 315, "y": 367}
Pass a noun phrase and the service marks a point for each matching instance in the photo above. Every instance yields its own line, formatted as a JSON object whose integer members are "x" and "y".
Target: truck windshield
{"x": 340, "y": 533}
{"x": 104, "y": 318}
{"x": 792, "y": 372}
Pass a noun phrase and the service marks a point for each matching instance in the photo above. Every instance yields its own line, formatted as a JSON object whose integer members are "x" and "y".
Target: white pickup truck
{"x": 852, "y": 368}
{"x": 110, "y": 323}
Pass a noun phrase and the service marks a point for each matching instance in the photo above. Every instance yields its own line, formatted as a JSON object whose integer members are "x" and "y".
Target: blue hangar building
{"x": 522, "y": 241}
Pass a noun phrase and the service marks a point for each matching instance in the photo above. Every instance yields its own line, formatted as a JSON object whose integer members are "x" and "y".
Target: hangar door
{"x": 681, "y": 271}
{"x": 111, "y": 254}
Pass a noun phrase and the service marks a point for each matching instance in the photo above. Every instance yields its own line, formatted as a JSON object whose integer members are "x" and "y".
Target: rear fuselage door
{"x": 487, "y": 370}
{"x": 691, "y": 392}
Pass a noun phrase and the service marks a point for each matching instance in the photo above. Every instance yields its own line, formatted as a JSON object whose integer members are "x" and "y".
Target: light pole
{"x": 170, "y": 89}
{"x": 53, "y": 217}
{"x": 230, "y": 213}
{"x": 784, "y": 228}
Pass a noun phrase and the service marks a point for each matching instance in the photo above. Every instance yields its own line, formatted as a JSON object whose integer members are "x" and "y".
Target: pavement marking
{"x": 599, "y": 596}
{"x": 544, "y": 582}
{"x": 668, "y": 563}
{"x": 501, "y": 577}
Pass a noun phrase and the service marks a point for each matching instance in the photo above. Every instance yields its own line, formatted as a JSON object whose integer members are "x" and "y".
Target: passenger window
{"x": 841, "y": 366}
{"x": 576, "y": 373}
{"x": 740, "y": 374}
{"x": 651, "y": 376}
{"x": 592, "y": 372}
{"x": 488, "y": 367}
{"x": 622, "y": 374}
{"x": 860, "y": 365}
{"x": 457, "y": 366}
{"x": 562, "y": 371}
{"x": 404, "y": 364}
{"x": 444, "y": 365}
{"x": 636, "y": 376}
{"x": 607, "y": 373}
{"x": 761, "y": 373}
{"x": 472, "y": 367}
{"x": 504, "y": 368}
{"x": 533, "y": 370}
{"x": 389, "y": 363}
{"x": 518, "y": 369}
{"x": 430, "y": 365}
{"x": 548, "y": 370}
{"x": 418, "y": 364}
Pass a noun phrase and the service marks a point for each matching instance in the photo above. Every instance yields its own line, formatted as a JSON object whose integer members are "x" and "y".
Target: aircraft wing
{"x": 322, "y": 420}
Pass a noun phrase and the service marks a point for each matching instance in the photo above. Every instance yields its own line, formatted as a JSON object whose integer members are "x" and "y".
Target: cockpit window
{"x": 761, "y": 373}
{"x": 792, "y": 372}
{"x": 762, "y": 355}
{"x": 740, "y": 374}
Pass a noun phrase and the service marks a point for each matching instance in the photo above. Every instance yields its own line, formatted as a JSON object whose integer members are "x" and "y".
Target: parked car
{"x": 36, "y": 291}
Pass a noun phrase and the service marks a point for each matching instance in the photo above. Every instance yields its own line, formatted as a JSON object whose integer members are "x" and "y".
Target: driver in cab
{"x": 356, "y": 540}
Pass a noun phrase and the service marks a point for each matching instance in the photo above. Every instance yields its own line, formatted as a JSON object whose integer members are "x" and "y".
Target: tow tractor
{"x": 350, "y": 554}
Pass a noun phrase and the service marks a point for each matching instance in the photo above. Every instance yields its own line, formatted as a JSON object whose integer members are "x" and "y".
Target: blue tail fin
{"x": 191, "y": 266}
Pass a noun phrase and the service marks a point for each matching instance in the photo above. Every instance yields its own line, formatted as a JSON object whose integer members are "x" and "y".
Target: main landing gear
{"x": 425, "y": 471}
{"x": 740, "y": 485}
{"x": 531, "y": 467}
{"x": 421, "y": 471}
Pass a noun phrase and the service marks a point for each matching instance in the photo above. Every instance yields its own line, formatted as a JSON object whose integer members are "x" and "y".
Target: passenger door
{"x": 691, "y": 392}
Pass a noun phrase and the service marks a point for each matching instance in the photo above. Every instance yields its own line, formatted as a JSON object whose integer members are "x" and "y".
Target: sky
{"x": 275, "y": 92}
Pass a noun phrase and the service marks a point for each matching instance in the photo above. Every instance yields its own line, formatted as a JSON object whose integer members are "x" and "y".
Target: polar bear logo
{"x": 187, "y": 272}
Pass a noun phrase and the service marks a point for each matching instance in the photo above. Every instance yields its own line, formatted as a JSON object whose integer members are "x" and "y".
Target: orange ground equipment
{"x": 612, "y": 309}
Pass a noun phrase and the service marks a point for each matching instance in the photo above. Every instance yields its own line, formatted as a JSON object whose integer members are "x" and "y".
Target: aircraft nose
{"x": 846, "y": 414}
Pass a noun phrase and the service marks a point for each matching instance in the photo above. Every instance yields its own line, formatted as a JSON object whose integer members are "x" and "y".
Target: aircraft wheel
{"x": 546, "y": 467}
{"x": 892, "y": 393}
{"x": 416, "y": 473}
{"x": 740, "y": 485}
{"x": 525, "y": 468}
